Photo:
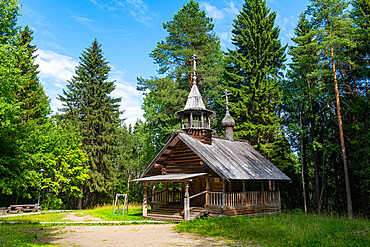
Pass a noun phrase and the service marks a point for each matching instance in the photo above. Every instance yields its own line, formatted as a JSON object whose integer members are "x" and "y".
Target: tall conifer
{"x": 189, "y": 32}
{"x": 89, "y": 103}
{"x": 253, "y": 73}
{"x": 35, "y": 103}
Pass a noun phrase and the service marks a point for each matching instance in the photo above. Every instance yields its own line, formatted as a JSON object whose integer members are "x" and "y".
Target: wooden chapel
{"x": 209, "y": 175}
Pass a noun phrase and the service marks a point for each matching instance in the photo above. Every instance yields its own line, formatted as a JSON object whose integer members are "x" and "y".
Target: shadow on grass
{"x": 27, "y": 234}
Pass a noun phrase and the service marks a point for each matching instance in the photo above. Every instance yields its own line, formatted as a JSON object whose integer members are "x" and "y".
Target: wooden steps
{"x": 175, "y": 213}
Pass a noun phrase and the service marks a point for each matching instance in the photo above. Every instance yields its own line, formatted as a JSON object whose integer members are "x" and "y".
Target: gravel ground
{"x": 131, "y": 235}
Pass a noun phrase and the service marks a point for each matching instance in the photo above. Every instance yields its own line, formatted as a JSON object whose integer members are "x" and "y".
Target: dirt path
{"x": 73, "y": 217}
{"x": 131, "y": 235}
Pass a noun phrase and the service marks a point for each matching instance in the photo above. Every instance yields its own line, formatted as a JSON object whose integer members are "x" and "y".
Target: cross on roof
{"x": 227, "y": 93}
{"x": 194, "y": 58}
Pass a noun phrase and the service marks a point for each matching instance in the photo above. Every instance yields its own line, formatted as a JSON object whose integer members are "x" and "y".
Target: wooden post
{"x": 224, "y": 193}
{"x": 207, "y": 189}
{"x": 182, "y": 121}
{"x": 145, "y": 209}
{"x": 153, "y": 192}
{"x": 186, "y": 202}
{"x": 202, "y": 119}
{"x": 173, "y": 191}
{"x": 244, "y": 194}
{"x": 270, "y": 191}
{"x": 166, "y": 194}
{"x": 263, "y": 193}
{"x": 191, "y": 119}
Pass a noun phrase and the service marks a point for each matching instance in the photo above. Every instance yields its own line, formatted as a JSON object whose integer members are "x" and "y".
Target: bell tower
{"x": 195, "y": 117}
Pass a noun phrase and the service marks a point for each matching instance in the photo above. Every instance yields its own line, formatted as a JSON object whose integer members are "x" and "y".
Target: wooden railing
{"x": 243, "y": 198}
{"x": 173, "y": 196}
{"x": 196, "y": 124}
{"x": 159, "y": 196}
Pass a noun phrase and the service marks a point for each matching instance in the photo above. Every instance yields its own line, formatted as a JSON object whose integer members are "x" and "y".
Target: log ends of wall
{"x": 257, "y": 210}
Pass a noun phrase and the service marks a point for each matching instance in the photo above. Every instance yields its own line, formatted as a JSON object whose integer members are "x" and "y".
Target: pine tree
{"x": 335, "y": 33}
{"x": 302, "y": 90}
{"x": 189, "y": 32}
{"x": 35, "y": 103}
{"x": 87, "y": 102}
{"x": 253, "y": 73}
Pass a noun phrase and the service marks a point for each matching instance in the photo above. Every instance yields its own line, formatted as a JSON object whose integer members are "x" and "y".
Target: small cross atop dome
{"x": 228, "y": 122}
{"x": 195, "y": 117}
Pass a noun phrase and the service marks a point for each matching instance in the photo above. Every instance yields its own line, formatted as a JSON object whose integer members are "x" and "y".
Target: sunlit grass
{"x": 285, "y": 230}
{"x": 102, "y": 212}
{"x": 44, "y": 216}
{"x": 106, "y": 213}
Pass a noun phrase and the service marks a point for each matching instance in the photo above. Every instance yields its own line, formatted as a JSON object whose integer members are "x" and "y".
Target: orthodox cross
{"x": 227, "y": 93}
{"x": 194, "y": 58}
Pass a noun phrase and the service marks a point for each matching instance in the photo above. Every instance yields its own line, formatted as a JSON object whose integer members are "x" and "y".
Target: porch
{"x": 188, "y": 202}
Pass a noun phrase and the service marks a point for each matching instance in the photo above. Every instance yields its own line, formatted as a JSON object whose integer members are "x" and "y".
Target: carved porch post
{"x": 153, "y": 192}
{"x": 145, "y": 201}
{"x": 186, "y": 202}
{"x": 207, "y": 189}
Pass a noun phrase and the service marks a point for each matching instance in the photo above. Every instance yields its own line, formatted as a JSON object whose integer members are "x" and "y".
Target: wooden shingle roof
{"x": 233, "y": 160}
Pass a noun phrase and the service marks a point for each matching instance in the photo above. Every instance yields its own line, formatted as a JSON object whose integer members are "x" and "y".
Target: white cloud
{"x": 286, "y": 25}
{"x": 131, "y": 98}
{"x": 213, "y": 12}
{"x": 55, "y": 69}
{"x": 231, "y": 9}
{"x": 220, "y": 15}
{"x": 138, "y": 9}
{"x": 55, "y": 66}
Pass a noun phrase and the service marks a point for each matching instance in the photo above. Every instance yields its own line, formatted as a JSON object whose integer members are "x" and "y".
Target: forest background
{"x": 309, "y": 116}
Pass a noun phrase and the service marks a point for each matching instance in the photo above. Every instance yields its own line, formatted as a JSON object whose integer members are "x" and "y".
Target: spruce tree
{"x": 189, "y": 32}
{"x": 88, "y": 102}
{"x": 35, "y": 103}
{"x": 9, "y": 12}
{"x": 253, "y": 74}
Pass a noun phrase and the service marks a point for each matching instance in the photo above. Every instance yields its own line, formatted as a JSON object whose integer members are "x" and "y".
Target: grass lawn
{"x": 30, "y": 233}
{"x": 18, "y": 235}
{"x": 104, "y": 213}
{"x": 284, "y": 230}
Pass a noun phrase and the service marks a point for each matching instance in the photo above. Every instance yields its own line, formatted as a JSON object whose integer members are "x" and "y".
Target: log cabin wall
{"x": 182, "y": 159}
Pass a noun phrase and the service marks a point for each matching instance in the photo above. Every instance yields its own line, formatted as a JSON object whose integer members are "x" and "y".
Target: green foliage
{"x": 253, "y": 73}
{"x": 57, "y": 150}
{"x": 31, "y": 95}
{"x": 9, "y": 12}
{"x": 89, "y": 104}
{"x": 327, "y": 35}
{"x": 284, "y": 230}
{"x": 189, "y": 32}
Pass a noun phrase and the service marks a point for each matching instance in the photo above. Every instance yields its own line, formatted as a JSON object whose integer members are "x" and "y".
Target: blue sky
{"x": 128, "y": 31}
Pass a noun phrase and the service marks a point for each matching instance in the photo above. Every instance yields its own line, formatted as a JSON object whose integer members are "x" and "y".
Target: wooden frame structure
{"x": 218, "y": 176}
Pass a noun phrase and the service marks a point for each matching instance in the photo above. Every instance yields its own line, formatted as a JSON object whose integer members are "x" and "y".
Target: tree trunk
{"x": 79, "y": 200}
{"x": 313, "y": 135}
{"x": 303, "y": 162}
{"x": 340, "y": 124}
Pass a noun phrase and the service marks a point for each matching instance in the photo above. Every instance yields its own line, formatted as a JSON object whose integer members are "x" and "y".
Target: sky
{"x": 128, "y": 31}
